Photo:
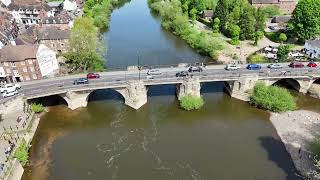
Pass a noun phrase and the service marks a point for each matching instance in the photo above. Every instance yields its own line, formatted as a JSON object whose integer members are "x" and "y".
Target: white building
{"x": 2, "y": 75}
{"x": 69, "y": 5}
{"x": 6, "y": 2}
{"x": 312, "y": 48}
{"x": 47, "y": 61}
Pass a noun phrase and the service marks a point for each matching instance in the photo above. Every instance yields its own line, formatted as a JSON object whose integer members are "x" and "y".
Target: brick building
{"x": 285, "y": 5}
{"x": 55, "y": 39}
{"x": 8, "y": 29}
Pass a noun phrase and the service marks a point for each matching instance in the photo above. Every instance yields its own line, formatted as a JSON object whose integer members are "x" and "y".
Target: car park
{"x": 296, "y": 65}
{"x": 253, "y": 67}
{"x": 9, "y": 93}
{"x": 232, "y": 67}
{"x": 154, "y": 72}
{"x": 81, "y": 81}
{"x": 275, "y": 66}
{"x": 93, "y": 76}
{"x": 312, "y": 64}
{"x": 182, "y": 74}
{"x": 195, "y": 69}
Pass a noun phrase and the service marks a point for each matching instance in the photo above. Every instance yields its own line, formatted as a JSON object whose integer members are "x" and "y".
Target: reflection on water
{"x": 226, "y": 139}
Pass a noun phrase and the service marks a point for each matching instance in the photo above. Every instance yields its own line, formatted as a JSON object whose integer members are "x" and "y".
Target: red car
{"x": 312, "y": 64}
{"x": 93, "y": 76}
{"x": 296, "y": 65}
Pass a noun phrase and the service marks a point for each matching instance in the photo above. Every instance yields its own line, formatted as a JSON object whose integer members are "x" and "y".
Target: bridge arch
{"x": 288, "y": 83}
{"x": 51, "y": 100}
{"x": 314, "y": 89}
{"x": 105, "y": 94}
{"x": 215, "y": 86}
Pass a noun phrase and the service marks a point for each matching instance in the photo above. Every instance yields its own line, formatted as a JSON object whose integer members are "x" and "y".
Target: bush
{"x": 271, "y": 11}
{"x": 22, "y": 153}
{"x": 273, "y": 36}
{"x": 257, "y": 58}
{"x": 191, "y": 102}
{"x": 315, "y": 147}
{"x": 272, "y": 98}
{"x": 37, "y": 108}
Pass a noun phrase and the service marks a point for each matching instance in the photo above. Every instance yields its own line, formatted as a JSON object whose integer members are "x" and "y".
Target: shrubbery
{"x": 22, "y": 153}
{"x": 37, "y": 108}
{"x": 174, "y": 20}
{"x": 257, "y": 58}
{"x": 272, "y": 98}
{"x": 191, "y": 102}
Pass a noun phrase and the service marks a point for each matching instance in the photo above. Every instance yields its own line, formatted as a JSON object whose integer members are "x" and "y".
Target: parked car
{"x": 232, "y": 67}
{"x": 195, "y": 69}
{"x": 81, "y": 81}
{"x": 93, "y": 76}
{"x": 296, "y": 54}
{"x": 182, "y": 74}
{"x": 17, "y": 86}
{"x": 253, "y": 67}
{"x": 9, "y": 93}
{"x": 296, "y": 65}
{"x": 8, "y": 88}
{"x": 312, "y": 64}
{"x": 154, "y": 72}
{"x": 275, "y": 66}
{"x": 272, "y": 27}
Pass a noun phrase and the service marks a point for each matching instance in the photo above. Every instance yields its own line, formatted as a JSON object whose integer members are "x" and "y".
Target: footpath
{"x": 17, "y": 124}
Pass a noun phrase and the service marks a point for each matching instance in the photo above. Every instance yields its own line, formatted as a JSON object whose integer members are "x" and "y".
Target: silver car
{"x": 275, "y": 66}
{"x": 154, "y": 72}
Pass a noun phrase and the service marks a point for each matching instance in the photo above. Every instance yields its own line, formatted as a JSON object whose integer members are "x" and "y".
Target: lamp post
{"x": 139, "y": 67}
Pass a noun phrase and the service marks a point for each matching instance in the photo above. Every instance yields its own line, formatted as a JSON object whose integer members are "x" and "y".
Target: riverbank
{"x": 297, "y": 129}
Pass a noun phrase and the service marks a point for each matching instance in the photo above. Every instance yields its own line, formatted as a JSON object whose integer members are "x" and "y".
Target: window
{"x": 62, "y": 44}
{"x": 23, "y": 63}
{"x": 31, "y": 69}
{"x": 30, "y": 62}
{"x": 34, "y": 76}
{"x": 27, "y": 78}
{"x": 8, "y": 70}
{"x": 25, "y": 69}
{"x": 13, "y": 64}
{"x": 5, "y": 64}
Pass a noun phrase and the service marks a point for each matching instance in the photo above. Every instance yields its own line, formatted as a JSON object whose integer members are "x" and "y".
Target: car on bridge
{"x": 154, "y": 72}
{"x": 9, "y": 93}
{"x": 9, "y": 88}
{"x": 195, "y": 69}
{"x": 312, "y": 64}
{"x": 182, "y": 74}
{"x": 275, "y": 66}
{"x": 81, "y": 81}
{"x": 253, "y": 67}
{"x": 93, "y": 76}
{"x": 296, "y": 65}
{"x": 232, "y": 67}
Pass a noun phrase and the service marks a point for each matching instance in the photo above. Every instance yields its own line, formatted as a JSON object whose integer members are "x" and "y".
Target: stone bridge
{"x": 134, "y": 92}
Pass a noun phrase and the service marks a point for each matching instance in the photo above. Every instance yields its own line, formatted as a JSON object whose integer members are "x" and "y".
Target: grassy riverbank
{"x": 272, "y": 98}
{"x": 173, "y": 19}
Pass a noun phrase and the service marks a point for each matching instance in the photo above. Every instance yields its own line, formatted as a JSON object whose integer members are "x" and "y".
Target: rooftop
{"x": 315, "y": 42}
{"x": 9, "y": 53}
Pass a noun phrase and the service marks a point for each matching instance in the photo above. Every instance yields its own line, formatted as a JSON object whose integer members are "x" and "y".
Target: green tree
{"x": 223, "y": 9}
{"x": 193, "y": 14}
{"x": 235, "y": 33}
{"x": 185, "y": 8}
{"x": 257, "y": 36}
{"x": 216, "y": 24}
{"x": 306, "y": 19}
{"x": 260, "y": 19}
{"x": 272, "y": 10}
{"x": 84, "y": 53}
{"x": 283, "y": 52}
{"x": 282, "y": 38}
{"x": 247, "y": 22}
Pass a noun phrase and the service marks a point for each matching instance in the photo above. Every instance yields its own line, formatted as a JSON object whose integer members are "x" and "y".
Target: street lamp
{"x": 139, "y": 67}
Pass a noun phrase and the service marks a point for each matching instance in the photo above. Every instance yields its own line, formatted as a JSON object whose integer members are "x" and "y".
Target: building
{"x": 6, "y": 3}
{"x": 2, "y": 75}
{"x": 70, "y": 5}
{"x": 312, "y": 48}
{"x": 61, "y": 21}
{"x": 286, "y": 6}
{"x": 284, "y": 19}
{"x": 55, "y": 39}
{"x": 8, "y": 29}
{"x": 31, "y": 63}
{"x": 207, "y": 14}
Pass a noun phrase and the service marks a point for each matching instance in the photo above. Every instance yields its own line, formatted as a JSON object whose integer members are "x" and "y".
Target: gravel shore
{"x": 296, "y": 130}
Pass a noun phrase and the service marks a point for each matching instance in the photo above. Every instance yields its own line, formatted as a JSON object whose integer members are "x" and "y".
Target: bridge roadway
{"x": 114, "y": 79}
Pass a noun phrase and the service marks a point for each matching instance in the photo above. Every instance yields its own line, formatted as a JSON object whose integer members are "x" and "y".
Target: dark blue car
{"x": 253, "y": 67}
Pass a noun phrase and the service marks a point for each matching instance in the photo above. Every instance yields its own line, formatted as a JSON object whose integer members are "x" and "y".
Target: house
{"x": 6, "y": 3}
{"x": 8, "y": 29}
{"x": 286, "y": 6}
{"x": 28, "y": 62}
{"x": 281, "y": 19}
{"x": 61, "y": 21}
{"x": 55, "y": 39}
{"x": 207, "y": 14}
{"x": 312, "y": 48}
{"x": 28, "y": 37}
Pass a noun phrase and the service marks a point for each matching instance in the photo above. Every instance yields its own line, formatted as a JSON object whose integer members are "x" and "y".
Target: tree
{"x": 185, "y": 8}
{"x": 283, "y": 52}
{"x": 258, "y": 36}
{"x": 84, "y": 53}
{"x": 235, "y": 33}
{"x": 216, "y": 24}
{"x": 223, "y": 9}
{"x": 260, "y": 20}
{"x": 247, "y": 22}
{"x": 193, "y": 14}
{"x": 271, "y": 11}
{"x": 306, "y": 19}
{"x": 282, "y": 37}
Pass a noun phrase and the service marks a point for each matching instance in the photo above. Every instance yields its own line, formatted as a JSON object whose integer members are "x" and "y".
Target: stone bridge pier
{"x": 134, "y": 94}
{"x": 190, "y": 86}
{"x": 241, "y": 88}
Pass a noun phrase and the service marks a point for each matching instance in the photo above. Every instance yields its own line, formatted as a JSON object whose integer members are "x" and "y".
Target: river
{"x": 227, "y": 139}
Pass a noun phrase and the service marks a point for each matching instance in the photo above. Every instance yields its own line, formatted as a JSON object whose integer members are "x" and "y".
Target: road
{"x": 112, "y": 76}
